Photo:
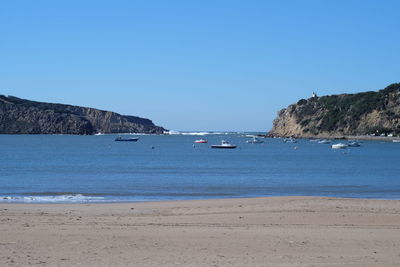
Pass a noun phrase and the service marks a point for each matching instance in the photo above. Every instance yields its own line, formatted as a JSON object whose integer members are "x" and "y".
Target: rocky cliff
{"x": 342, "y": 115}
{"x": 20, "y": 116}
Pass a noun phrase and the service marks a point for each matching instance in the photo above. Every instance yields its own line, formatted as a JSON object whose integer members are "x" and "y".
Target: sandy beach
{"x": 276, "y": 231}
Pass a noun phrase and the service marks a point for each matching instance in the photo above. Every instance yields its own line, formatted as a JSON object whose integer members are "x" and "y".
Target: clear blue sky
{"x": 196, "y": 65}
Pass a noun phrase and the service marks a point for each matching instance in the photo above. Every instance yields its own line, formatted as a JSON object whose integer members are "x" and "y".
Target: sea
{"x": 92, "y": 169}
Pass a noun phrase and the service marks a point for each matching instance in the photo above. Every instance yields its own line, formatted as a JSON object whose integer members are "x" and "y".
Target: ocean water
{"x": 64, "y": 168}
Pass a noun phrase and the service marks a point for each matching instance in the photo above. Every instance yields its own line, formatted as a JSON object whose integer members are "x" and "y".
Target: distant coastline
{"x": 368, "y": 115}
{"x": 21, "y": 116}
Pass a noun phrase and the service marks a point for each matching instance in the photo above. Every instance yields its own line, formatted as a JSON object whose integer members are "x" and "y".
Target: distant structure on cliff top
{"x": 20, "y": 116}
{"x": 364, "y": 113}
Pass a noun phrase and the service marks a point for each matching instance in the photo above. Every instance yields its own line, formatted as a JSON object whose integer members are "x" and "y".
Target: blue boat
{"x": 130, "y": 139}
{"x": 353, "y": 143}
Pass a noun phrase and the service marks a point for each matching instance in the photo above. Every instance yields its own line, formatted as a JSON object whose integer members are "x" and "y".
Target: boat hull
{"x": 353, "y": 145}
{"x": 339, "y": 146}
{"x": 126, "y": 139}
{"x": 224, "y": 147}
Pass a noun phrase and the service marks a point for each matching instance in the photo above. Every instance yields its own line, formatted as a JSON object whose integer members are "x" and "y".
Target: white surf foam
{"x": 172, "y": 132}
{"x": 78, "y": 198}
{"x": 196, "y": 133}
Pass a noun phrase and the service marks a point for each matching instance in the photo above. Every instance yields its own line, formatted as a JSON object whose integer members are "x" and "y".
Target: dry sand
{"x": 277, "y": 231}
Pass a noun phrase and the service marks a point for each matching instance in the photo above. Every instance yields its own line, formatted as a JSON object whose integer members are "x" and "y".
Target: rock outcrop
{"x": 20, "y": 116}
{"x": 342, "y": 115}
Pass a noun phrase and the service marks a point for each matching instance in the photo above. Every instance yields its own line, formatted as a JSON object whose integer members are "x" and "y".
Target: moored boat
{"x": 201, "y": 141}
{"x": 353, "y": 144}
{"x": 339, "y": 146}
{"x": 224, "y": 144}
{"x": 324, "y": 141}
{"x": 130, "y": 139}
{"x": 255, "y": 140}
{"x": 289, "y": 140}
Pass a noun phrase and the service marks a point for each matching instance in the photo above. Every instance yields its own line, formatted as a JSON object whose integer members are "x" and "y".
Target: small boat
{"x": 201, "y": 141}
{"x": 224, "y": 144}
{"x": 339, "y": 146}
{"x": 353, "y": 144}
{"x": 324, "y": 141}
{"x": 290, "y": 140}
{"x": 255, "y": 140}
{"x": 396, "y": 141}
{"x": 129, "y": 139}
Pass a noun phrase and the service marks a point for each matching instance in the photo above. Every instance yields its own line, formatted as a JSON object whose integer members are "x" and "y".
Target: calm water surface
{"x": 62, "y": 168}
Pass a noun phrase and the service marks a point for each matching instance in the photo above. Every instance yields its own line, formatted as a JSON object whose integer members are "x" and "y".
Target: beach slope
{"x": 276, "y": 231}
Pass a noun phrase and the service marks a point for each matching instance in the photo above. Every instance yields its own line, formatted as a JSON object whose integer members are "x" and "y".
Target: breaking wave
{"x": 70, "y": 198}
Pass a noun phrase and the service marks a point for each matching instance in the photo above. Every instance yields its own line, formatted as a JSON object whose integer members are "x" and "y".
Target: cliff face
{"x": 341, "y": 115}
{"x": 20, "y": 116}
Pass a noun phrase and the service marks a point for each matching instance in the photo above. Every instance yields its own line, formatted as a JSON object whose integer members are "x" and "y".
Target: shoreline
{"x": 127, "y": 202}
{"x": 97, "y": 202}
{"x": 265, "y": 231}
{"x": 341, "y": 137}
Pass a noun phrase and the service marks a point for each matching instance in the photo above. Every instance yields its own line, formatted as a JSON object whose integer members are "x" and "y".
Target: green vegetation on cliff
{"x": 345, "y": 114}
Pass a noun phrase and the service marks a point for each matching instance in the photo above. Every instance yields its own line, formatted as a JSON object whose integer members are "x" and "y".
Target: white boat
{"x": 290, "y": 140}
{"x": 324, "y": 141}
{"x": 339, "y": 146}
{"x": 396, "y": 141}
{"x": 224, "y": 144}
{"x": 255, "y": 140}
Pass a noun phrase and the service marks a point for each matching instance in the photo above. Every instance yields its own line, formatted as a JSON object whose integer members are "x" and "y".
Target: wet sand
{"x": 276, "y": 231}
